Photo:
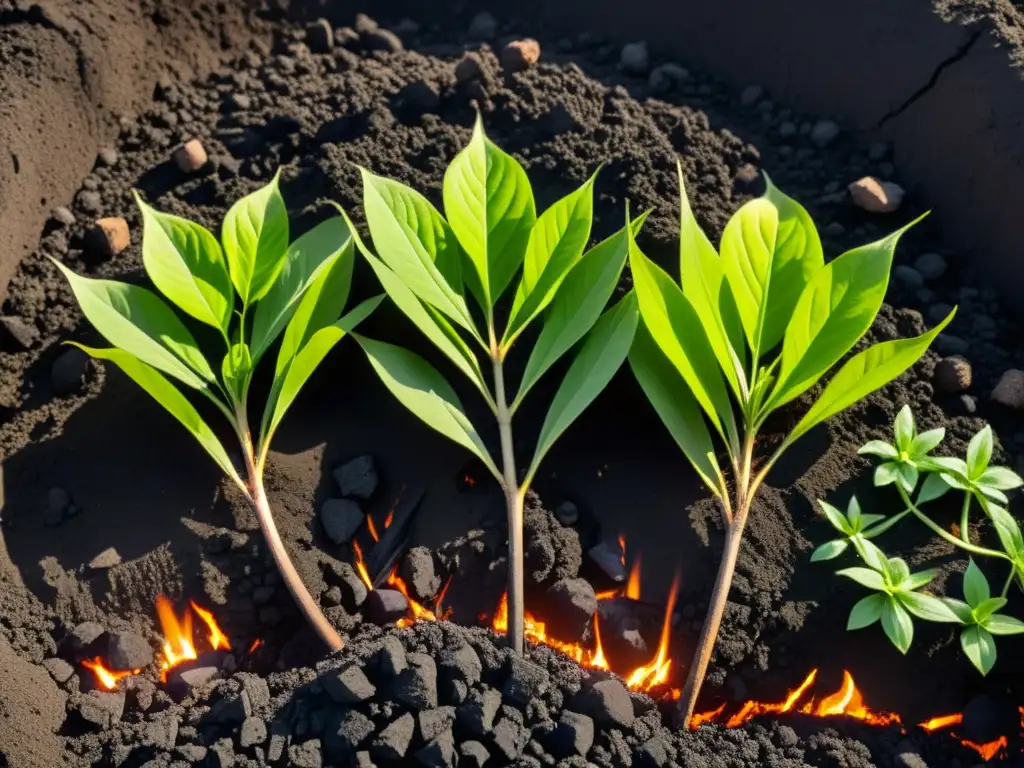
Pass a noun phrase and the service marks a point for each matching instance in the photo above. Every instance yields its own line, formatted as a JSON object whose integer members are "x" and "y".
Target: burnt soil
{"x": 90, "y": 463}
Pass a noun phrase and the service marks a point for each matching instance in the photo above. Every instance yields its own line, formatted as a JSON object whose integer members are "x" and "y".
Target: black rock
{"x": 509, "y": 738}
{"x": 305, "y": 755}
{"x": 460, "y": 664}
{"x": 365, "y": 24}
{"x": 526, "y": 681}
{"x": 439, "y": 752}
{"x": 84, "y": 641}
{"x": 357, "y": 478}
{"x": 234, "y": 708}
{"x": 416, "y": 687}
{"x": 16, "y": 335}
{"x": 551, "y": 551}
{"x": 419, "y": 98}
{"x": 653, "y": 753}
{"x": 341, "y": 519}
{"x": 391, "y": 658}
{"x": 476, "y": 716}
{"x": 353, "y": 590}
{"x": 68, "y": 371}
{"x": 393, "y": 742}
{"x": 349, "y": 685}
{"x": 433, "y": 722}
{"x": 128, "y": 650}
{"x": 59, "y": 669}
{"x": 386, "y": 606}
{"x": 608, "y": 702}
{"x": 573, "y": 736}
{"x": 419, "y": 573}
{"x": 320, "y": 36}
{"x": 985, "y": 720}
{"x": 252, "y": 733}
{"x": 571, "y": 604}
{"x": 161, "y": 732}
{"x": 468, "y": 69}
{"x": 346, "y": 733}
{"x": 608, "y": 557}
{"x": 101, "y": 709}
{"x": 263, "y": 595}
{"x": 473, "y": 754}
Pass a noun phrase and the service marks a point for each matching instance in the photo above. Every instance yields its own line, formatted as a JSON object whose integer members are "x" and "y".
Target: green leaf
{"x": 236, "y": 370}
{"x": 675, "y": 405}
{"x": 898, "y": 625}
{"x": 1007, "y": 529}
{"x": 255, "y": 238}
{"x": 866, "y": 612}
{"x": 976, "y": 588}
{"x": 919, "y": 579}
{"x": 306, "y": 259}
{"x": 832, "y": 314}
{"x": 926, "y": 442}
{"x": 979, "y": 453}
{"x": 908, "y": 476}
{"x": 878, "y": 448}
{"x": 869, "y": 520}
{"x": 1000, "y": 478}
{"x": 904, "y": 428}
{"x": 865, "y": 577}
{"x": 417, "y": 245}
{"x": 490, "y": 207}
{"x": 886, "y": 474}
{"x": 702, "y": 279}
{"x": 678, "y": 331}
{"x": 419, "y": 387}
{"x": 898, "y": 570}
{"x": 986, "y": 608}
{"x": 932, "y": 488}
{"x": 980, "y": 647}
{"x": 836, "y": 518}
{"x": 770, "y": 251}
{"x": 165, "y": 393}
{"x": 829, "y": 550}
{"x": 960, "y": 608}
{"x": 556, "y": 245}
{"x": 138, "y": 321}
{"x": 186, "y": 264}
{"x": 999, "y": 624}
{"x": 927, "y": 607}
{"x": 577, "y": 305}
{"x": 871, "y": 554}
{"x": 864, "y": 373}
{"x": 603, "y": 352}
{"x": 853, "y": 513}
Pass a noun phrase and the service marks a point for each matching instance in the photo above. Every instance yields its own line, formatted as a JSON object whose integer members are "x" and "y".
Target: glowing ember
{"x": 991, "y": 749}
{"x": 944, "y": 721}
{"x": 632, "y": 588}
{"x": 598, "y": 660}
{"x": 256, "y": 644}
{"x": 622, "y": 550}
{"x": 707, "y": 717}
{"x": 633, "y": 583}
{"x": 216, "y": 637}
{"x": 752, "y": 709}
{"x": 987, "y": 751}
{"x": 107, "y": 678}
{"x": 656, "y": 673}
{"x": 179, "y": 643}
{"x": 361, "y": 565}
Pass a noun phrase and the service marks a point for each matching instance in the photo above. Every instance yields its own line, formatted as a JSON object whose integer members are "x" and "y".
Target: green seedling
{"x": 434, "y": 269}
{"x": 904, "y": 462}
{"x": 296, "y": 292}
{"x": 754, "y": 326}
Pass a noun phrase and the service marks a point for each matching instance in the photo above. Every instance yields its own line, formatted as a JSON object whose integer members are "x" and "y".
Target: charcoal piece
{"x": 455, "y": 692}
{"x": 128, "y": 650}
{"x": 84, "y": 641}
{"x": 221, "y": 754}
{"x": 418, "y": 98}
{"x": 608, "y": 557}
{"x": 438, "y": 752}
{"x": 653, "y": 753}
{"x": 433, "y": 722}
{"x": 526, "y": 681}
{"x": 320, "y": 36}
{"x": 416, "y": 687}
{"x": 551, "y": 552}
{"x": 509, "y": 737}
{"x": 101, "y": 709}
{"x": 232, "y": 709}
{"x": 608, "y": 702}
{"x": 346, "y": 733}
{"x": 394, "y": 540}
{"x": 476, "y": 716}
{"x": 574, "y": 735}
{"x": 473, "y": 754}
{"x": 985, "y": 720}
{"x": 341, "y": 519}
{"x": 391, "y": 658}
{"x": 349, "y": 685}
{"x": 419, "y": 573}
{"x": 393, "y": 742}
{"x": 570, "y": 605}
{"x": 357, "y": 477}
{"x": 386, "y": 606}
{"x": 161, "y": 732}
{"x": 462, "y": 664}
{"x": 381, "y": 40}
{"x": 353, "y": 590}
{"x": 59, "y": 669}
{"x": 305, "y": 755}
{"x": 252, "y": 733}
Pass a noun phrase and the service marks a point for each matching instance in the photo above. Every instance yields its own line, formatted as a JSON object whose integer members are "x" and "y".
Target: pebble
{"x": 440, "y": 752}
{"x": 59, "y": 669}
{"x": 84, "y": 640}
{"x": 1010, "y": 389}
{"x": 468, "y": 69}
{"x": 483, "y": 27}
{"x": 109, "y": 237}
{"x": 635, "y": 58}
{"x": 520, "y": 54}
{"x": 416, "y": 686}
{"x": 419, "y": 573}
{"x": 107, "y": 157}
{"x": 573, "y": 736}
{"x": 393, "y": 741}
{"x": 365, "y": 24}
{"x": 910, "y": 760}
{"x": 381, "y": 40}
{"x": 751, "y": 95}
{"x": 346, "y": 37}
{"x": 68, "y": 372}
{"x": 953, "y": 375}
{"x": 16, "y": 335}
{"x": 665, "y": 78}
{"x": 608, "y": 557}
{"x": 353, "y": 590}
{"x": 341, "y": 519}
{"x": 573, "y": 604}
{"x": 477, "y": 715}
{"x": 252, "y": 733}
{"x": 320, "y": 36}
{"x": 876, "y": 196}
{"x": 473, "y": 754}
{"x": 567, "y": 513}
{"x": 357, "y": 477}
{"x": 101, "y": 709}
{"x": 63, "y": 216}
{"x": 386, "y": 606}
{"x": 392, "y": 657}
{"x": 190, "y": 156}
{"x": 108, "y": 558}
{"x": 419, "y": 98}
{"x": 824, "y": 133}
{"x": 932, "y": 266}
{"x": 608, "y": 702}
{"x": 526, "y": 681}
{"x": 305, "y": 755}
{"x": 162, "y": 732}
{"x": 89, "y": 201}
{"x": 908, "y": 276}
{"x": 238, "y": 102}
{"x": 787, "y": 129}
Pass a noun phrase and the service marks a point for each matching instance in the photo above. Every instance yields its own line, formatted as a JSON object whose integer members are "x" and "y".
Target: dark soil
{"x": 90, "y": 463}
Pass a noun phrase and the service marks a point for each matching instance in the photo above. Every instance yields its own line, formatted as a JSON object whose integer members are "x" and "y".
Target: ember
{"x": 107, "y": 678}
{"x": 179, "y": 644}
{"x": 988, "y": 750}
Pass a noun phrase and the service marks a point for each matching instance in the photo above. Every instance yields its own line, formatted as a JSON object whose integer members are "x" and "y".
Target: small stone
{"x": 908, "y": 276}
{"x": 526, "y": 680}
{"x": 63, "y": 216}
{"x": 509, "y": 738}
{"x": 953, "y": 375}
{"x": 101, "y": 709}
{"x": 418, "y": 571}
{"x": 332, "y": 596}
{"x": 252, "y": 733}
{"x": 128, "y": 650}
{"x": 221, "y": 754}
{"x": 350, "y": 730}
{"x": 1010, "y": 389}
{"x": 462, "y": 664}
{"x": 190, "y": 156}
{"x": 233, "y": 709}
{"x": 381, "y": 40}
{"x": 520, "y": 54}
{"x": 16, "y": 335}
{"x": 751, "y": 95}
{"x": 416, "y": 687}
{"x": 193, "y": 753}
{"x": 109, "y": 237}
{"x": 239, "y": 102}
{"x": 875, "y": 196}
{"x": 635, "y": 58}
{"x": 433, "y": 722}
{"x": 932, "y": 266}
{"x": 787, "y": 129}
{"x": 483, "y": 27}
{"x": 320, "y": 36}
{"x": 68, "y": 372}
{"x": 197, "y": 677}
{"x": 824, "y": 133}
{"x": 573, "y": 736}
{"x": 353, "y": 590}
{"x": 665, "y": 78}
{"x": 305, "y": 755}
{"x": 365, "y": 24}
{"x": 357, "y": 478}
{"x": 969, "y": 403}
{"x": 392, "y": 659}
{"x": 386, "y": 606}
{"x": 59, "y": 669}
{"x": 477, "y": 715}
{"x": 108, "y": 558}
{"x": 89, "y": 201}
{"x": 346, "y": 37}
{"x": 419, "y": 98}
{"x": 107, "y": 157}
{"x": 162, "y": 732}
{"x": 440, "y": 752}
{"x": 341, "y": 519}
{"x": 653, "y": 753}
{"x": 572, "y": 604}
{"x": 608, "y": 557}
{"x": 393, "y": 742}
{"x": 909, "y": 760}
{"x": 468, "y": 69}
{"x": 86, "y": 638}
{"x": 567, "y": 513}
{"x": 350, "y": 685}
{"x": 473, "y": 754}
{"x": 608, "y": 702}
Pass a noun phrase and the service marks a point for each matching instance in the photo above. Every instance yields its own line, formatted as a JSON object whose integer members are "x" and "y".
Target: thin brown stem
{"x": 514, "y": 506}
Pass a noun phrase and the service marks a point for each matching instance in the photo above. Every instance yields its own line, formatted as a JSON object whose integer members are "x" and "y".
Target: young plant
{"x": 430, "y": 266}
{"x": 904, "y": 462}
{"x": 751, "y": 329}
{"x": 297, "y": 290}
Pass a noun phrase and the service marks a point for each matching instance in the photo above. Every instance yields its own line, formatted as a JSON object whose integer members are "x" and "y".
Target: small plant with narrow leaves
{"x": 898, "y": 601}
{"x": 753, "y": 326}
{"x": 252, "y": 288}
{"x": 434, "y": 268}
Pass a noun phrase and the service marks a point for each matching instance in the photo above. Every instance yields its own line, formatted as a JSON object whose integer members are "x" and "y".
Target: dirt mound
{"x": 31, "y": 713}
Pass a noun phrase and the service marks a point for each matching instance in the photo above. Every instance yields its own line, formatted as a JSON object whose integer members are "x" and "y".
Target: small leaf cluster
{"x": 897, "y": 597}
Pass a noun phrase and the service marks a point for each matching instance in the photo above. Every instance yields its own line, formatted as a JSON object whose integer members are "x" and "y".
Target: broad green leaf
{"x": 919, "y": 579}
{"x": 836, "y": 518}
{"x": 980, "y": 647}
{"x": 871, "y": 554}
{"x": 236, "y": 370}
{"x": 306, "y": 259}
{"x": 960, "y": 608}
{"x": 420, "y": 388}
{"x": 602, "y": 353}
{"x": 864, "y": 373}
{"x": 898, "y": 571}
{"x": 1000, "y": 478}
{"x": 976, "y": 588}
{"x": 903, "y": 428}
{"x": 770, "y": 251}
{"x": 983, "y": 610}
{"x": 927, "y": 607}
{"x": 829, "y": 550}
{"x": 932, "y": 488}
{"x": 165, "y": 393}
{"x": 417, "y": 244}
{"x": 138, "y": 321}
{"x": 678, "y": 331}
{"x": 556, "y": 245}
{"x": 865, "y": 577}
{"x": 907, "y": 476}
{"x": 287, "y": 386}
{"x": 866, "y": 612}
{"x": 853, "y": 513}
{"x": 868, "y": 520}
{"x": 999, "y": 624}
{"x": 979, "y": 453}
{"x": 886, "y": 474}
{"x": 255, "y": 239}
{"x": 927, "y": 441}
{"x": 489, "y": 204}
{"x": 679, "y": 412}
{"x": 577, "y": 305}
{"x": 878, "y": 448}
{"x": 702, "y": 280}
{"x": 1007, "y": 529}
{"x": 898, "y": 625}
{"x": 832, "y": 314}
{"x": 186, "y": 264}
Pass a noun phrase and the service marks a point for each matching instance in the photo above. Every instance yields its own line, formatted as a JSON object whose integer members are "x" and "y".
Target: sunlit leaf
{"x": 866, "y": 612}
{"x": 898, "y": 625}
{"x": 866, "y": 577}
{"x": 255, "y": 239}
{"x": 927, "y": 607}
{"x": 979, "y": 453}
{"x": 830, "y": 550}
{"x": 976, "y": 588}
{"x": 980, "y": 647}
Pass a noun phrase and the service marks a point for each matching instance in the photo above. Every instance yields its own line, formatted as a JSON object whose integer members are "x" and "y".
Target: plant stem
{"x": 1009, "y": 581}
{"x": 964, "y": 518}
{"x": 514, "y": 506}
{"x": 956, "y": 542}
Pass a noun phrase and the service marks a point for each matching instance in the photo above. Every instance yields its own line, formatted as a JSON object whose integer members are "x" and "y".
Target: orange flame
{"x": 372, "y": 527}
{"x": 633, "y": 583}
{"x": 656, "y": 673}
{"x": 256, "y": 644}
{"x": 700, "y": 718}
{"x": 990, "y": 749}
{"x": 361, "y": 565}
{"x": 598, "y": 660}
{"x": 217, "y": 638}
{"x": 179, "y": 644}
{"x": 107, "y": 678}
{"x": 987, "y": 751}
{"x": 943, "y": 721}
{"x": 752, "y": 709}
{"x": 622, "y": 550}
{"x": 848, "y": 701}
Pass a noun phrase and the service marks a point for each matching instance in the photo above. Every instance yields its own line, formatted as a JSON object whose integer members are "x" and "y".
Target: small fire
{"x": 656, "y": 673}
{"x": 179, "y": 644}
{"x": 633, "y": 582}
{"x": 106, "y": 677}
{"x": 536, "y": 631}
{"x": 988, "y": 751}
{"x": 632, "y": 588}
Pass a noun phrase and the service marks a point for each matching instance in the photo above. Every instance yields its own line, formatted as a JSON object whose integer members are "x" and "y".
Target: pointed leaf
{"x": 908, "y": 476}
{"x": 836, "y": 518}
{"x": 980, "y": 647}
{"x": 898, "y": 625}
{"x": 1007, "y": 529}
{"x": 878, "y": 448}
{"x": 979, "y": 453}
{"x": 932, "y": 488}
{"x": 998, "y": 624}
{"x": 886, "y": 474}
{"x": 927, "y": 441}
{"x": 976, "y": 588}
{"x": 983, "y": 610}
{"x": 236, "y": 370}
{"x": 186, "y": 264}
{"x": 898, "y": 571}
{"x": 864, "y": 373}
{"x": 830, "y": 550}
{"x": 919, "y": 579}
{"x": 865, "y": 577}
{"x": 603, "y": 352}
{"x": 960, "y": 608}
{"x": 255, "y": 238}
{"x": 1000, "y": 478}
{"x": 871, "y": 554}
{"x": 927, "y": 607}
{"x": 866, "y": 612}
{"x": 853, "y": 513}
